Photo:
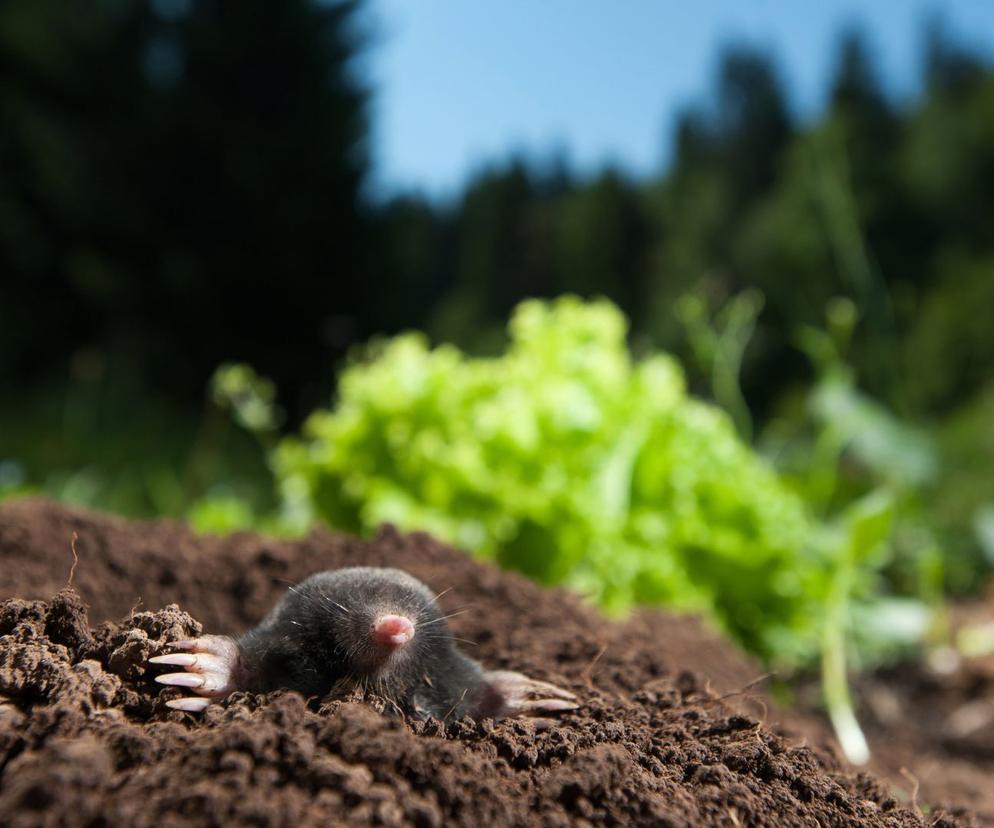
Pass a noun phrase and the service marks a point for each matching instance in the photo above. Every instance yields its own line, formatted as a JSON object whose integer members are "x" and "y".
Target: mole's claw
{"x": 181, "y": 679}
{"x": 534, "y": 686}
{"x": 180, "y": 659}
{"x": 217, "y": 645}
{"x": 546, "y": 705}
{"x": 515, "y": 694}
{"x": 212, "y": 664}
{"x": 190, "y": 705}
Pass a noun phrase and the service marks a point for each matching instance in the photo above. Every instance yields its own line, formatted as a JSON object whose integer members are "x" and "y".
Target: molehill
{"x": 660, "y": 739}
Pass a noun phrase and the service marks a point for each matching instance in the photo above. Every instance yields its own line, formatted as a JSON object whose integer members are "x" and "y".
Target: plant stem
{"x": 834, "y": 680}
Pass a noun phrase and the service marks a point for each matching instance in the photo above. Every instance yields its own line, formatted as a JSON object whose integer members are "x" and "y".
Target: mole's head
{"x": 377, "y": 622}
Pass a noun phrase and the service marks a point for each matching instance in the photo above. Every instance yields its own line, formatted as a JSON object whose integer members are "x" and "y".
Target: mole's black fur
{"x": 318, "y": 638}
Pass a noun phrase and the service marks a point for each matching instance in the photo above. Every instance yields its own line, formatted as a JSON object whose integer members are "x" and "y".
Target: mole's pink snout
{"x": 393, "y": 631}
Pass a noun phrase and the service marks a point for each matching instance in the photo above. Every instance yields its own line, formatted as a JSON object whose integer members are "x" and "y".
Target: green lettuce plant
{"x": 571, "y": 461}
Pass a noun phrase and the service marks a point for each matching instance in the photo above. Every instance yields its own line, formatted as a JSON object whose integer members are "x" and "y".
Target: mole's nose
{"x": 393, "y": 630}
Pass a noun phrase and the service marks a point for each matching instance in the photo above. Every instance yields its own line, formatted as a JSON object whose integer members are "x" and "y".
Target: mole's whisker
{"x": 433, "y": 600}
{"x": 463, "y": 640}
{"x": 453, "y": 708}
{"x": 303, "y": 595}
{"x": 331, "y": 603}
{"x": 446, "y": 617}
{"x": 445, "y": 635}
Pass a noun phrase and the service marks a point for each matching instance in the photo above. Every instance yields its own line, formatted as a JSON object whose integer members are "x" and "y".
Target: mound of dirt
{"x": 86, "y": 739}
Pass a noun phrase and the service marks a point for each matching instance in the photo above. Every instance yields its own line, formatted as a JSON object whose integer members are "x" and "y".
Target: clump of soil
{"x": 85, "y": 737}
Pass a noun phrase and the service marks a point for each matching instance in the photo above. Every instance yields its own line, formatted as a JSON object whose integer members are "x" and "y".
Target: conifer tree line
{"x": 181, "y": 183}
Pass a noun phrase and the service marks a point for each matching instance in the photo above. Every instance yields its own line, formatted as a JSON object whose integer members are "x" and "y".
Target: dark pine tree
{"x": 179, "y": 183}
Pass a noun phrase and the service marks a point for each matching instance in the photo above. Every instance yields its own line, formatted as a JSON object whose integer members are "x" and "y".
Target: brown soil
{"x": 938, "y": 723}
{"x": 86, "y": 740}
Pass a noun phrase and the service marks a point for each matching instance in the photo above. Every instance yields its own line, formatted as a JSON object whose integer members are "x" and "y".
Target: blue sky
{"x": 459, "y": 83}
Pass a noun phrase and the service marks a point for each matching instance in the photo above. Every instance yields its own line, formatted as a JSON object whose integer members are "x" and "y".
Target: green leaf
{"x": 868, "y": 524}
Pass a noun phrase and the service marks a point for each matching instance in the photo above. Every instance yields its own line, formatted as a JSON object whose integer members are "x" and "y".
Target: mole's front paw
{"x": 211, "y": 662}
{"x": 507, "y": 693}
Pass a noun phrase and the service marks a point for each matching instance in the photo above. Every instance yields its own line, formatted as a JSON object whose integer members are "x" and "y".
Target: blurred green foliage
{"x": 106, "y": 446}
{"x": 960, "y": 501}
{"x": 842, "y": 450}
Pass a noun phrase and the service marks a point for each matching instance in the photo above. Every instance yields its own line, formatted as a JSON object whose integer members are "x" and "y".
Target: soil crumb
{"x": 85, "y": 737}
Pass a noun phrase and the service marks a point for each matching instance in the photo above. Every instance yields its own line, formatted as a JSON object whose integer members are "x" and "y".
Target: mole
{"x": 371, "y": 628}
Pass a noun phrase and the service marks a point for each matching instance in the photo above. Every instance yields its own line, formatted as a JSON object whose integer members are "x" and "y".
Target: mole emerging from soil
{"x": 370, "y": 628}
